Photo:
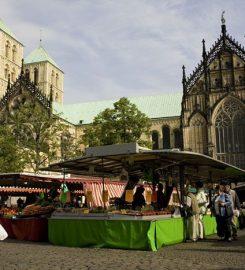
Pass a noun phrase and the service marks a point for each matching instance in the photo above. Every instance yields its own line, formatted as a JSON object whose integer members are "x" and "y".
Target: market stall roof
{"x": 44, "y": 181}
{"x": 113, "y": 159}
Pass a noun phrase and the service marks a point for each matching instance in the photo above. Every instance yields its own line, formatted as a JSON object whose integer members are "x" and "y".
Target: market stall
{"x": 147, "y": 231}
{"x": 28, "y": 229}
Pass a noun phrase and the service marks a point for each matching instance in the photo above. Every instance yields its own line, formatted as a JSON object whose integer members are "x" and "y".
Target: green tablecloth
{"x": 126, "y": 234}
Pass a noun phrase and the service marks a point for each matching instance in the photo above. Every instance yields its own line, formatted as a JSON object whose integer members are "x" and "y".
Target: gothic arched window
{"x": 155, "y": 140}
{"x": 178, "y": 139}
{"x": 35, "y": 76}
{"x": 198, "y": 136}
{"x": 6, "y": 71}
{"x": 7, "y": 49}
{"x": 166, "y": 137}
{"x": 14, "y": 51}
{"x": 27, "y": 74}
{"x": 57, "y": 80}
{"x": 52, "y": 77}
{"x": 13, "y": 75}
{"x": 230, "y": 133}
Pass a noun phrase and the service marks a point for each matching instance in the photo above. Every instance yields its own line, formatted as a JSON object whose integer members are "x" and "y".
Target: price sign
{"x": 89, "y": 196}
{"x": 129, "y": 195}
{"x": 105, "y": 196}
{"x": 148, "y": 197}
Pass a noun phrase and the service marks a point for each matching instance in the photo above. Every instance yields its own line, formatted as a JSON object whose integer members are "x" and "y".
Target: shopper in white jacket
{"x": 202, "y": 203}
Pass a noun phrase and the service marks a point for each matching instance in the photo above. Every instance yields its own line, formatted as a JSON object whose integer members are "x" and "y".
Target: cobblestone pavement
{"x": 207, "y": 254}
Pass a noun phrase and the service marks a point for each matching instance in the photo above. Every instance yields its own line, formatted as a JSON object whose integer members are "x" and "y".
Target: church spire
{"x": 223, "y": 26}
{"x": 184, "y": 80}
{"x": 22, "y": 67}
{"x": 204, "y": 54}
{"x": 40, "y": 41}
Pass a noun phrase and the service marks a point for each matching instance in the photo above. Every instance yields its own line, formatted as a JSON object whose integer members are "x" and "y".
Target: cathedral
{"x": 207, "y": 116}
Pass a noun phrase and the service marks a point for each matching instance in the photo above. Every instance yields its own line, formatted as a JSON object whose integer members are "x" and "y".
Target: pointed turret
{"x": 184, "y": 80}
{"x": 204, "y": 54}
{"x": 8, "y": 86}
{"x": 22, "y": 67}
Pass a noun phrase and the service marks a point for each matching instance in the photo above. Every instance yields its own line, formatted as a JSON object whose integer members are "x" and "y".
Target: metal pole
{"x": 103, "y": 184}
{"x": 181, "y": 180}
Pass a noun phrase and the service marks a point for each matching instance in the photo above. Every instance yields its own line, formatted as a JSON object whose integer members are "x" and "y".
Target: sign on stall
{"x": 105, "y": 196}
{"x": 154, "y": 196}
{"x": 129, "y": 195}
{"x": 148, "y": 197}
{"x": 89, "y": 196}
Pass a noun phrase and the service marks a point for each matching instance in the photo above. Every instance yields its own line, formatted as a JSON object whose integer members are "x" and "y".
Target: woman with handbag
{"x": 224, "y": 213}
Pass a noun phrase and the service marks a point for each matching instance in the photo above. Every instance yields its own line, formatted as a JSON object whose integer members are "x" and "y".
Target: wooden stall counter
{"x": 28, "y": 229}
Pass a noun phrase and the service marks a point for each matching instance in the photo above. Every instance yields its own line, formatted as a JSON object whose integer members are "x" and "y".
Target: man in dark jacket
{"x": 236, "y": 206}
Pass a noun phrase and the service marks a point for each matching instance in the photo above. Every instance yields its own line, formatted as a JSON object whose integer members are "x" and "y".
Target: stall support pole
{"x": 182, "y": 193}
{"x": 182, "y": 179}
{"x": 103, "y": 184}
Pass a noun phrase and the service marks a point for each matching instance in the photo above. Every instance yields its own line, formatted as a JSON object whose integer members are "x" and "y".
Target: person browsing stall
{"x": 138, "y": 199}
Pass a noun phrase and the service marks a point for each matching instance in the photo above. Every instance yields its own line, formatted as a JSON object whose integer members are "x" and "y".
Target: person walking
{"x": 202, "y": 203}
{"x": 236, "y": 206}
{"x": 192, "y": 215}
{"x": 223, "y": 212}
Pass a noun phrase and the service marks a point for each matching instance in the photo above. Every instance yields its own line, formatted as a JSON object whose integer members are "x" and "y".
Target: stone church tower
{"x": 213, "y": 103}
{"x": 11, "y": 54}
{"x": 39, "y": 67}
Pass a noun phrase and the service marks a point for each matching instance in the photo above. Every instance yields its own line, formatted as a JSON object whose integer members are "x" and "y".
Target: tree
{"x": 10, "y": 159}
{"x": 123, "y": 124}
{"x": 37, "y": 133}
{"x": 69, "y": 146}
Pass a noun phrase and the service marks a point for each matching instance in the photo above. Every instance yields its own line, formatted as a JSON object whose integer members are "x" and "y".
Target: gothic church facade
{"x": 208, "y": 117}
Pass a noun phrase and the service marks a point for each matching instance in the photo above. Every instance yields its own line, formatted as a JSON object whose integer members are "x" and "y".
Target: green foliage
{"x": 37, "y": 134}
{"x": 69, "y": 146}
{"x": 10, "y": 158}
{"x": 122, "y": 124}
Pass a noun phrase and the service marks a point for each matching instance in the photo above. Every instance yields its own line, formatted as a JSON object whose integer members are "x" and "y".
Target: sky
{"x": 110, "y": 49}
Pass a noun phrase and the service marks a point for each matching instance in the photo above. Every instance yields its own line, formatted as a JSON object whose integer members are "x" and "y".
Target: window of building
{"x": 198, "y": 136}
{"x": 56, "y": 97}
{"x": 6, "y": 72}
{"x": 14, "y": 52}
{"x": 35, "y": 76}
{"x": 155, "y": 140}
{"x": 57, "y": 80}
{"x": 7, "y": 49}
{"x": 27, "y": 74}
{"x": 13, "y": 75}
{"x": 166, "y": 137}
{"x": 178, "y": 139}
{"x": 52, "y": 77}
{"x": 230, "y": 133}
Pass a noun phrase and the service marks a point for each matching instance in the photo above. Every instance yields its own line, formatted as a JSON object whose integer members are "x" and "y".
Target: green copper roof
{"x": 39, "y": 55}
{"x": 5, "y": 29}
{"x": 164, "y": 105}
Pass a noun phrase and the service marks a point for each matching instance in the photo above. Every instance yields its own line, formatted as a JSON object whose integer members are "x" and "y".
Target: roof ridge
{"x": 7, "y": 30}
{"x": 40, "y": 54}
{"x": 116, "y": 99}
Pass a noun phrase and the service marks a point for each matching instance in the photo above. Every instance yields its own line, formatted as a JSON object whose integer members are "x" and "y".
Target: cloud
{"x": 110, "y": 49}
